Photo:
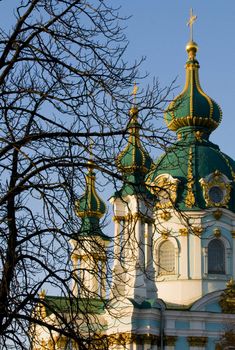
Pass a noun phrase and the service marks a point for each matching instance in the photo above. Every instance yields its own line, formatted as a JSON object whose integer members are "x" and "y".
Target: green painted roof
{"x": 202, "y": 158}
{"x": 134, "y": 158}
{"x": 90, "y": 208}
{"x": 90, "y": 226}
{"x": 193, "y": 107}
{"x": 77, "y": 305}
{"x": 134, "y": 161}
{"x": 193, "y": 115}
{"x": 90, "y": 204}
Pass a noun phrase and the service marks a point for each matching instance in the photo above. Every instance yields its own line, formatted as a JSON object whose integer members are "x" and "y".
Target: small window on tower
{"x": 216, "y": 257}
{"x": 166, "y": 258}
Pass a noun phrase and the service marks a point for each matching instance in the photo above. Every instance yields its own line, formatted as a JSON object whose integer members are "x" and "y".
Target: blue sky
{"x": 158, "y": 30}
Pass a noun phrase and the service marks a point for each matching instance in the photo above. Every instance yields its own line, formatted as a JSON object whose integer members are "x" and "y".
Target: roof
{"x": 196, "y": 162}
{"x": 61, "y": 304}
{"x": 90, "y": 208}
{"x": 134, "y": 161}
{"x": 193, "y": 107}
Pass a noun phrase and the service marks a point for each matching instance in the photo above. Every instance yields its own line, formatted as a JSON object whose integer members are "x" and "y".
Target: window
{"x": 166, "y": 258}
{"x": 216, "y": 257}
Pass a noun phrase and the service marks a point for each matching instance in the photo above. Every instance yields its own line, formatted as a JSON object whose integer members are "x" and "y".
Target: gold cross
{"x": 190, "y": 23}
{"x": 134, "y": 92}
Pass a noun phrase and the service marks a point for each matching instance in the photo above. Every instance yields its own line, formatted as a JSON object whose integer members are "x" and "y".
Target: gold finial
{"x": 190, "y": 23}
{"x": 134, "y": 92}
{"x": 90, "y": 148}
{"x": 42, "y": 294}
{"x": 134, "y": 109}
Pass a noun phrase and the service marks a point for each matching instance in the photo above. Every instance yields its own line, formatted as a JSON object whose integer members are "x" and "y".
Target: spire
{"x": 193, "y": 109}
{"x": 134, "y": 161}
{"x": 90, "y": 207}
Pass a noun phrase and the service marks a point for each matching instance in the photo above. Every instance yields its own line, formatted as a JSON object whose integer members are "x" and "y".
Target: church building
{"x": 173, "y": 270}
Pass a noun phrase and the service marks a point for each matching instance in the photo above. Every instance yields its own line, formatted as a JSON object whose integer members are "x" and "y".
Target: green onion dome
{"x": 190, "y": 162}
{"x": 193, "y": 174}
{"x": 90, "y": 204}
{"x": 134, "y": 161}
{"x": 90, "y": 208}
{"x": 193, "y": 107}
{"x": 134, "y": 158}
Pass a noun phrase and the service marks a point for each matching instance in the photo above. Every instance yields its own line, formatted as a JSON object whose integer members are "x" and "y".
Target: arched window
{"x": 216, "y": 257}
{"x": 166, "y": 259}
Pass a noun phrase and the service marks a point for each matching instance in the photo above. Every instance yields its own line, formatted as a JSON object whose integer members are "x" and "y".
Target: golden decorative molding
{"x": 164, "y": 187}
{"x": 217, "y": 232}
{"x": 198, "y": 135}
{"x": 118, "y": 218}
{"x": 217, "y": 181}
{"x": 190, "y": 198}
{"x": 183, "y": 231}
{"x": 41, "y": 309}
{"x": 217, "y": 214}
{"x": 133, "y": 217}
{"x": 197, "y": 230}
{"x": 233, "y": 233}
{"x": 127, "y": 338}
{"x": 218, "y": 347}
{"x": 189, "y": 120}
{"x": 227, "y": 298}
{"x": 165, "y": 215}
{"x": 197, "y": 341}
{"x": 165, "y": 234}
{"x": 170, "y": 340}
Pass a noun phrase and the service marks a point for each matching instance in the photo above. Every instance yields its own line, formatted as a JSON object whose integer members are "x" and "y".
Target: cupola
{"x": 193, "y": 109}
{"x": 134, "y": 161}
{"x": 193, "y": 173}
{"x": 90, "y": 207}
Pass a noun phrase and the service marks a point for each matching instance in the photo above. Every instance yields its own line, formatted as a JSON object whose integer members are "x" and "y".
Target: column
{"x": 183, "y": 267}
{"x": 103, "y": 279}
{"x": 196, "y": 245}
{"x": 74, "y": 259}
{"x": 117, "y": 239}
{"x": 205, "y": 261}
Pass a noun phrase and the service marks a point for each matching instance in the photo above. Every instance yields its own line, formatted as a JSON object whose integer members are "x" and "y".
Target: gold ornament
{"x": 219, "y": 181}
{"x": 165, "y": 215}
{"x": 217, "y": 232}
{"x": 183, "y": 231}
{"x": 190, "y": 198}
{"x": 164, "y": 188}
{"x": 217, "y": 214}
{"x": 197, "y": 230}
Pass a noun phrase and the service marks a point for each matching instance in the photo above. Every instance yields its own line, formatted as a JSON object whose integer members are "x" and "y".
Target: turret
{"x": 193, "y": 110}
{"x": 133, "y": 219}
{"x": 90, "y": 243}
{"x": 134, "y": 161}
